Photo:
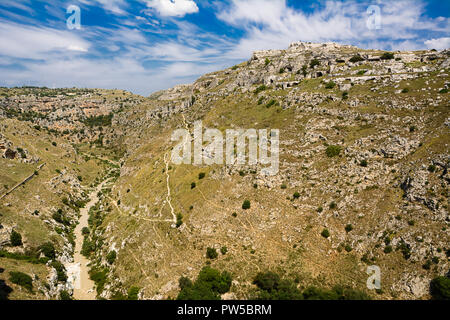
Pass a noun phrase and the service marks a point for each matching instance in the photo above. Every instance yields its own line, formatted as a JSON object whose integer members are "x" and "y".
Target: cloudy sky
{"x": 148, "y": 45}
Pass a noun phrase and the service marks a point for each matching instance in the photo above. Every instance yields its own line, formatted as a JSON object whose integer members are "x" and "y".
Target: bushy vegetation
{"x": 60, "y": 270}
{"x": 64, "y": 295}
{"x": 48, "y": 250}
{"x": 99, "y": 276}
{"x": 15, "y": 238}
{"x": 270, "y": 286}
{"x": 330, "y": 85}
{"x": 211, "y": 253}
{"x": 210, "y": 284}
{"x": 133, "y": 293}
{"x": 440, "y": 288}
{"x": 387, "y": 56}
{"x": 99, "y": 121}
{"x": 271, "y": 103}
{"x": 179, "y": 220}
{"x": 333, "y": 151}
{"x": 246, "y": 205}
{"x": 28, "y": 257}
{"x": 21, "y": 279}
{"x": 356, "y": 58}
{"x": 261, "y": 88}
{"x": 325, "y": 233}
{"x": 111, "y": 257}
{"x": 314, "y": 63}
{"x": 201, "y": 175}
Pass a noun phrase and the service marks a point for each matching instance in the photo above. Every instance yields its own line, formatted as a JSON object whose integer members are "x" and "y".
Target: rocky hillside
{"x": 363, "y": 179}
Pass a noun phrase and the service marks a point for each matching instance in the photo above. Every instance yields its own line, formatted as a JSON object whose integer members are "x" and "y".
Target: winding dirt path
{"x": 168, "y": 189}
{"x": 84, "y": 287}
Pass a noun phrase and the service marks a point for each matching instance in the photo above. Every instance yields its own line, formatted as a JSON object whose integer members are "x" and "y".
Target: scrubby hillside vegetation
{"x": 363, "y": 180}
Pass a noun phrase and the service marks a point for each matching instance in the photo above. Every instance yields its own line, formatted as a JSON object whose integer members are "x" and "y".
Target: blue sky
{"x": 148, "y": 45}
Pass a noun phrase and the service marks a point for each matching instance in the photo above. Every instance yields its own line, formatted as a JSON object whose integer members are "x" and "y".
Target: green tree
{"x": 246, "y": 205}
{"x": 133, "y": 293}
{"x": 211, "y": 253}
{"x": 333, "y": 151}
{"x": 21, "y": 279}
{"x": 440, "y": 288}
{"x": 325, "y": 233}
{"x": 15, "y": 238}
{"x": 48, "y": 249}
{"x": 111, "y": 257}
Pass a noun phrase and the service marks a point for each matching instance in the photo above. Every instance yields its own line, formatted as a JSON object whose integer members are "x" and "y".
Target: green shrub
{"x": 443, "y": 91}
{"x": 296, "y": 195}
{"x": 87, "y": 247}
{"x": 325, "y": 233}
{"x": 64, "y": 295}
{"x": 314, "y": 63}
{"x": 348, "y": 228}
{"x": 60, "y": 270}
{"x": 356, "y": 58}
{"x": 283, "y": 186}
{"x": 48, "y": 250}
{"x": 224, "y": 250}
{"x": 99, "y": 276}
{"x": 405, "y": 90}
{"x": 210, "y": 284}
{"x": 281, "y": 70}
{"x": 387, "y": 56}
{"x": 388, "y": 249}
{"x": 185, "y": 282}
{"x": 333, "y": 205}
{"x": 330, "y": 85}
{"x": 85, "y": 231}
{"x": 363, "y": 163}
{"x": 261, "y": 88}
{"x": 111, "y": 257}
{"x": 201, "y": 175}
{"x": 99, "y": 121}
{"x": 21, "y": 279}
{"x": 179, "y": 220}
{"x": 333, "y": 151}
{"x": 246, "y": 205}
{"x": 271, "y": 103}
{"x": 133, "y": 293}
{"x": 211, "y": 253}
{"x": 272, "y": 287}
{"x": 440, "y": 288}
{"x": 267, "y": 62}
{"x": 15, "y": 238}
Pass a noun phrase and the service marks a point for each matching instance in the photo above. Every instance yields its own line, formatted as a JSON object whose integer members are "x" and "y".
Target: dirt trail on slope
{"x": 84, "y": 287}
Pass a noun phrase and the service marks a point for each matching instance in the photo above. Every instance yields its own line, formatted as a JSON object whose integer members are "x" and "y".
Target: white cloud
{"x": 438, "y": 44}
{"x": 272, "y": 24}
{"x": 27, "y": 42}
{"x": 173, "y": 8}
{"x": 114, "y": 6}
